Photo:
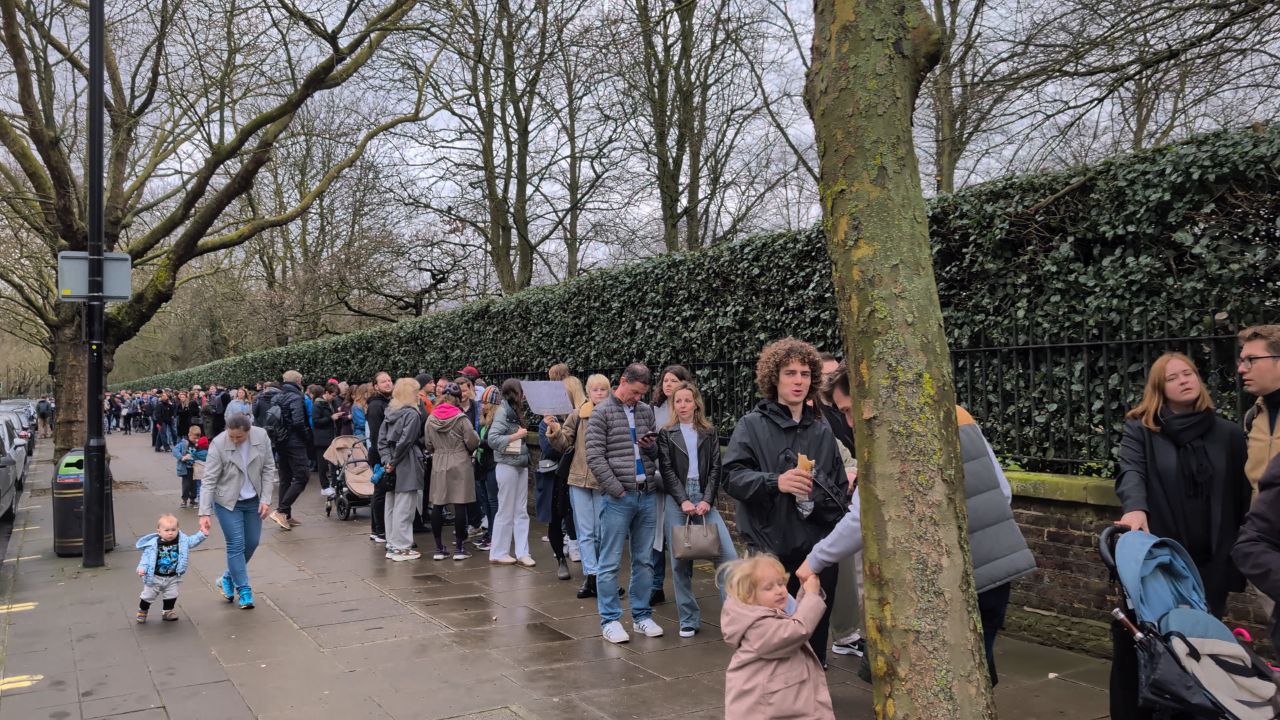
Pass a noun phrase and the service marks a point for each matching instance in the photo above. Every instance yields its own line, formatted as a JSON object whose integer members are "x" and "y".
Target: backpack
{"x": 273, "y": 423}
{"x": 42, "y": 407}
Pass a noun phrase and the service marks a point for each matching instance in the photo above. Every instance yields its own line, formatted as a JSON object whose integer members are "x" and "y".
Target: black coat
{"x": 764, "y": 445}
{"x": 1142, "y": 486}
{"x": 673, "y": 463}
{"x": 374, "y": 412}
{"x": 1257, "y": 552}
{"x": 323, "y": 427}
{"x": 293, "y": 413}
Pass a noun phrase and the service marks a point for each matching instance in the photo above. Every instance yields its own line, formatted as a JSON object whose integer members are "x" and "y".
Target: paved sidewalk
{"x": 341, "y": 632}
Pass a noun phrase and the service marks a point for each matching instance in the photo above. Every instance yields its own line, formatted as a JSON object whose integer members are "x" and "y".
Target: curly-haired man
{"x": 782, "y": 508}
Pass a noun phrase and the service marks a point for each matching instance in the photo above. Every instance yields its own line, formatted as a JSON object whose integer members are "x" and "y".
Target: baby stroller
{"x": 1190, "y": 665}
{"x": 353, "y": 479}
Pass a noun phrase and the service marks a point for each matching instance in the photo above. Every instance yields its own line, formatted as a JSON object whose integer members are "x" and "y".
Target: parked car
{"x": 25, "y": 408}
{"x": 10, "y": 471}
{"x": 15, "y": 440}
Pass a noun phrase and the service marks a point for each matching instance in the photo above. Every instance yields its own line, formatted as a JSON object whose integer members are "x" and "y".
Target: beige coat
{"x": 773, "y": 673}
{"x": 451, "y": 441}
{"x": 572, "y": 433}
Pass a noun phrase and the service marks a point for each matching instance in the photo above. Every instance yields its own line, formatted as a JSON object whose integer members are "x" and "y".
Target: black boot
{"x": 562, "y": 569}
{"x": 588, "y": 589}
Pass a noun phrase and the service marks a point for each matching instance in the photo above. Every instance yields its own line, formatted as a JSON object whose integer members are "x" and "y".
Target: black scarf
{"x": 1187, "y": 432}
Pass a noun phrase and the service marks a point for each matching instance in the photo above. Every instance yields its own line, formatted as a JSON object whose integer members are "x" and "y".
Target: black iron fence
{"x": 1045, "y": 406}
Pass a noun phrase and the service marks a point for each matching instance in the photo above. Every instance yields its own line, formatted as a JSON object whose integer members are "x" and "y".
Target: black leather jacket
{"x": 673, "y": 461}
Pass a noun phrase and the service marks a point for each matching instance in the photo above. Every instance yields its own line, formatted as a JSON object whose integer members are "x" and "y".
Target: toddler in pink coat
{"x": 773, "y": 674}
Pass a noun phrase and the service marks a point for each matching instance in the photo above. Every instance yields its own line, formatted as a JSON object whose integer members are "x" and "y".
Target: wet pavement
{"x": 339, "y": 631}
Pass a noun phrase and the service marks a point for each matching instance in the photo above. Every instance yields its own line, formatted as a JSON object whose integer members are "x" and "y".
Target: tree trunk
{"x": 70, "y": 383}
{"x": 869, "y": 59}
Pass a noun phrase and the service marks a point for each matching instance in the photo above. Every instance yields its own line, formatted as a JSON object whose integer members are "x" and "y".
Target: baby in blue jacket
{"x": 163, "y": 563}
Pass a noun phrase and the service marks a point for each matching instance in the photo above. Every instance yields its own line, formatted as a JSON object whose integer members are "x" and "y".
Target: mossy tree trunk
{"x": 869, "y": 60}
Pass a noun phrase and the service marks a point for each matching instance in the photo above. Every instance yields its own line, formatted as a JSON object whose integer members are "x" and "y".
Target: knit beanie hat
{"x": 202, "y": 443}
{"x": 491, "y": 396}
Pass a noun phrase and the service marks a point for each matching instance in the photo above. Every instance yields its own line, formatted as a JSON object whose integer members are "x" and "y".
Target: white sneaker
{"x": 614, "y": 633}
{"x": 391, "y": 555}
{"x": 574, "y": 554}
{"x": 648, "y": 627}
{"x": 526, "y": 561}
{"x": 546, "y": 538}
{"x": 439, "y": 555}
{"x": 327, "y": 492}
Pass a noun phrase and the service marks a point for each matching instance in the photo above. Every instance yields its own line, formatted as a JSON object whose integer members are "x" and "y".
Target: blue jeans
{"x": 242, "y": 528}
{"x": 586, "y": 517}
{"x": 634, "y": 514}
{"x": 682, "y": 570}
{"x": 487, "y": 494}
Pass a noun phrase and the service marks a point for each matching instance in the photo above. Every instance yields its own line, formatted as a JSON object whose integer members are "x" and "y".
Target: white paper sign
{"x": 547, "y": 397}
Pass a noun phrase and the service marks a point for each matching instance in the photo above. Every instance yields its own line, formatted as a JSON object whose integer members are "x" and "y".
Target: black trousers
{"x": 992, "y": 605}
{"x": 377, "y": 507}
{"x": 459, "y": 527}
{"x": 294, "y": 461}
{"x": 188, "y": 485}
{"x": 827, "y": 578}
{"x": 561, "y": 514}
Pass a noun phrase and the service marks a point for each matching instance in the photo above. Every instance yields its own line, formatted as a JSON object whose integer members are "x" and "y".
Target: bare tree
{"x": 199, "y": 96}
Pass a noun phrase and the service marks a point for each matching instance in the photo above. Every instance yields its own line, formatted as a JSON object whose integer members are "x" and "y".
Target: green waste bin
{"x": 68, "y": 507}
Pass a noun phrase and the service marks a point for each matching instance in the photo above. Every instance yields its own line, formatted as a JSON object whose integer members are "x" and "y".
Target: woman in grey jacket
{"x": 511, "y": 453}
{"x": 400, "y": 448}
{"x": 239, "y": 482}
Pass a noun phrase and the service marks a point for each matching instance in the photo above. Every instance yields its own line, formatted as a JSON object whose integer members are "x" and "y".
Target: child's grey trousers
{"x": 165, "y": 588}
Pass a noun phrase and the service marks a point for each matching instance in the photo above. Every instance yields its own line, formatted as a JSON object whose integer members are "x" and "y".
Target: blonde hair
{"x": 738, "y": 577}
{"x": 167, "y": 516}
{"x": 598, "y": 381}
{"x": 487, "y": 413}
{"x": 1153, "y": 400}
{"x": 700, "y": 422}
{"x": 404, "y": 394}
{"x": 573, "y": 386}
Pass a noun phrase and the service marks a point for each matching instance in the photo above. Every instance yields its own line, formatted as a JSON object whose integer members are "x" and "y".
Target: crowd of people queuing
{"x": 637, "y": 464}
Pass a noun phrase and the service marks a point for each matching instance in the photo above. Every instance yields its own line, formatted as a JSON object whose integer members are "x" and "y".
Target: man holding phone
{"x": 621, "y": 450}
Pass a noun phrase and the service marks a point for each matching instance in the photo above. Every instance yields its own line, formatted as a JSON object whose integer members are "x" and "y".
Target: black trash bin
{"x": 68, "y": 507}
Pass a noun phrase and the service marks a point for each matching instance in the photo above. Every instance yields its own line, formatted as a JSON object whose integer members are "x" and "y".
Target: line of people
{"x": 622, "y": 473}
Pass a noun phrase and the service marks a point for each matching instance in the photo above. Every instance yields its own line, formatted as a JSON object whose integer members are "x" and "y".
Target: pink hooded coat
{"x": 774, "y": 674}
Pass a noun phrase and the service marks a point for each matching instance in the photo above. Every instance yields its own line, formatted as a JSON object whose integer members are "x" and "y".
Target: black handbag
{"x": 565, "y": 465}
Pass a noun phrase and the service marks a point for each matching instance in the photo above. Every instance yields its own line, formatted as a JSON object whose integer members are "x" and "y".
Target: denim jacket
{"x": 150, "y": 547}
{"x": 181, "y": 449}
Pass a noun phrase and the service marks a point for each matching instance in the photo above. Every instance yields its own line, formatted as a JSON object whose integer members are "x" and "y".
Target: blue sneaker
{"x": 246, "y": 598}
{"x": 226, "y": 588}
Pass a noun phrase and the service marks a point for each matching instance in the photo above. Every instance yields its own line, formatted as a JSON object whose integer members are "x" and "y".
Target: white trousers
{"x": 165, "y": 588}
{"x": 512, "y": 517}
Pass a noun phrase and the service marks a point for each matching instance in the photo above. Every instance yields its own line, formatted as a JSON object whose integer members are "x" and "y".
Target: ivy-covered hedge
{"x": 1144, "y": 244}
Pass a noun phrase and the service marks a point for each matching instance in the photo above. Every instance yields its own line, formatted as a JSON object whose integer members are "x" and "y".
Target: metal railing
{"x": 1044, "y": 406}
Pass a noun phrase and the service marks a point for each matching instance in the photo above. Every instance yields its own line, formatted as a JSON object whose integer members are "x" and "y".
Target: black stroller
{"x": 353, "y": 476}
{"x": 1190, "y": 665}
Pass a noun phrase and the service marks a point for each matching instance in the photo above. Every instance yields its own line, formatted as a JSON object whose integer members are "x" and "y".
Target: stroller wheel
{"x": 344, "y": 508}
{"x": 328, "y": 507}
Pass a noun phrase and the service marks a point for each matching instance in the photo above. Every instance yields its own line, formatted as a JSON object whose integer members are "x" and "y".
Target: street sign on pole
{"x": 73, "y": 276}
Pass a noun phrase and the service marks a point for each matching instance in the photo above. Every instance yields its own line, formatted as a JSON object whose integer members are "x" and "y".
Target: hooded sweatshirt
{"x": 773, "y": 673}
{"x": 149, "y": 544}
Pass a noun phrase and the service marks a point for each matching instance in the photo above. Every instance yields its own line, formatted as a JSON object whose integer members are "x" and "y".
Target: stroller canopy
{"x": 1158, "y": 575}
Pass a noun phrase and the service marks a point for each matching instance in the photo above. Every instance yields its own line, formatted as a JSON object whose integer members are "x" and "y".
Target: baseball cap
{"x": 470, "y": 371}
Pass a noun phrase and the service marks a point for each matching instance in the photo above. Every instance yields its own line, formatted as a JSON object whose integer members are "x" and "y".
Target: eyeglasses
{"x": 1247, "y": 362}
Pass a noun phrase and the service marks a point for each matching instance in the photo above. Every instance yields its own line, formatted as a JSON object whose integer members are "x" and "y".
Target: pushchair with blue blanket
{"x": 1190, "y": 665}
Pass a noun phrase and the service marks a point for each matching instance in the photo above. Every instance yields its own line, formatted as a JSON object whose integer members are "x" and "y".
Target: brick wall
{"x": 1067, "y": 601}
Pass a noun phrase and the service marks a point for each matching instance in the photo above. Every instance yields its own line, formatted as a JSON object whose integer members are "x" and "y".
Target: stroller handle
{"x": 1107, "y": 545}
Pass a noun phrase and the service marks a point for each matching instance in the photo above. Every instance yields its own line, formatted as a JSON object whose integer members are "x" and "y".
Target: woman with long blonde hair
{"x": 1181, "y": 477}
{"x": 399, "y": 447}
{"x": 689, "y": 460}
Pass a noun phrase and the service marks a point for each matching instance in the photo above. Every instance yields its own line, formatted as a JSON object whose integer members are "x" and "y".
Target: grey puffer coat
{"x": 611, "y": 453}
